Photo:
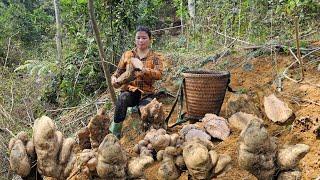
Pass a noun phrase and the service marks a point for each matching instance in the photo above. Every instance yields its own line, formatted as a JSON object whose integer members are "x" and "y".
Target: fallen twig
{"x": 315, "y": 50}
{"x": 296, "y": 81}
{"x": 301, "y": 100}
{"x": 302, "y": 36}
{"x": 168, "y": 28}
{"x": 78, "y": 119}
{"x": 7, "y": 130}
{"x": 237, "y": 39}
{"x": 5, "y": 114}
{"x": 286, "y": 70}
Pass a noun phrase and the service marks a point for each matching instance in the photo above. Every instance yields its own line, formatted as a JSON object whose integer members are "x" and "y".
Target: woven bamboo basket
{"x": 204, "y": 92}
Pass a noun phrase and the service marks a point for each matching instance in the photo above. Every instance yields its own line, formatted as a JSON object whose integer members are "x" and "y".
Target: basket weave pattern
{"x": 205, "y": 91}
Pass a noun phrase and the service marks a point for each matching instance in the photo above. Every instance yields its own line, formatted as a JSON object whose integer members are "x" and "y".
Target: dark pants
{"x": 128, "y": 99}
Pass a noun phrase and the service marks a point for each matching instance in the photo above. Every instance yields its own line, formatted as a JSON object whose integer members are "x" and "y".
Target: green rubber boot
{"x": 115, "y": 129}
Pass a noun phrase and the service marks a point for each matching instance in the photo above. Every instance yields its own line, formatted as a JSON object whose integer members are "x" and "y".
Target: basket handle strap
{"x": 179, "y": 96}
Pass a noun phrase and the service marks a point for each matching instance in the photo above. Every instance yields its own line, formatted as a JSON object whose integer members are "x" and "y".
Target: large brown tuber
{"x": 54, "y": 154}
{"x": 197, "y": 159}
{"x": 47, "y": 141}
{"x": 165, "y": 146}
{"x": 125, "y": 77}
{"x": 289, "y": 175}
{"x": 137, "y": 165}
{"x": 170, "y": 159}
{"x": 153, "y": 114}
{"x": 158, "y": 139}
{"x": 289, "y": 156}
{"x": 19, "y": 161}
{"x": 111, "y": 159}
{"x": 202, "y": 161}
{"x": 84, "y": 138}
{"x": 258, "y": 153}
{"x": 86, "y": 161}
{"x": 66, "y": 149}
{"x": 223, "y": 163}
{"x": 98, "y": 128}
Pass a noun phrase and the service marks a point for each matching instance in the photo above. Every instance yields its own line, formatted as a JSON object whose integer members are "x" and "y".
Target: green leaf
{"x": 82, "y": 1}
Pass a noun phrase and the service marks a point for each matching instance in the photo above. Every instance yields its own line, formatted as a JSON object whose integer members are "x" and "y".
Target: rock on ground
{"x": 276, "y": 110}
{"x": 216, "y": 126}
{"x": 192, "y": 131}
{"x": 240, "y": 120}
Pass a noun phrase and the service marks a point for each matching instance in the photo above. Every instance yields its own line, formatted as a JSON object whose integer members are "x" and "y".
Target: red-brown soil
{"x": 256, "y": 83}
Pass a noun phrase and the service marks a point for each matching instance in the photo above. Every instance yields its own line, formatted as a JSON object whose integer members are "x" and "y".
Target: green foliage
{"x": 242, "y": 90}
{"x": 182, "y": 8}
{"x": 39, "y": 68}
{"x": 223, "y": 65}
{"x": 108, "y": 105}
{"x": 80, "y": 73}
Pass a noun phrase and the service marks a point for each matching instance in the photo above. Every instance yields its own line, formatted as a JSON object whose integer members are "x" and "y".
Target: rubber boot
{"x": 115, "y": 129}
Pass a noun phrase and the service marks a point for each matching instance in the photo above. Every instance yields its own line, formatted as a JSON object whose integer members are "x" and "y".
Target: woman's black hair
{"x": 145, "y": 29}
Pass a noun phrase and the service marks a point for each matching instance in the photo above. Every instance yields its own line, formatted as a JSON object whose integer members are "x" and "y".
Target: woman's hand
{"x": 114, "y": 82}
{"x": 137, "y": 63}
{"x": 140, "y": 73}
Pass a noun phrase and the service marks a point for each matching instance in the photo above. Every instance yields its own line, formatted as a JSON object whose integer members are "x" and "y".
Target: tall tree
{"x": 102, "y": 54}
{"x": 58, "y": 33}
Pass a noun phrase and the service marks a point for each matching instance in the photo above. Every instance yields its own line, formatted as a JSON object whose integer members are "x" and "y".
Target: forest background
{"x": 36, "y": 81}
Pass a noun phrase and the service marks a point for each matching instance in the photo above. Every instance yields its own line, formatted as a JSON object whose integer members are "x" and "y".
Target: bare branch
{"x": 102, "y": 54}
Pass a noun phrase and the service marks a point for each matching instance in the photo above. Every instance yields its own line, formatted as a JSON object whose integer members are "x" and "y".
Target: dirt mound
{"x": 257, "y": 83}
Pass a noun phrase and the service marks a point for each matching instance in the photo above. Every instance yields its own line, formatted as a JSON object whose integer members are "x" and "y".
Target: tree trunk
{"x": 102, "y": 54}
{"x": 192, "y": 11}
{"x": 58, "y": 33}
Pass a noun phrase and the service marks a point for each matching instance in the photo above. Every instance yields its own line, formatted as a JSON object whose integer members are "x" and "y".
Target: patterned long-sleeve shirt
{"x": 153, "y": 64}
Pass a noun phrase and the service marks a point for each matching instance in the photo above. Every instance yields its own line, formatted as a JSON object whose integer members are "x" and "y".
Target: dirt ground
{"x": 256, "y": 82}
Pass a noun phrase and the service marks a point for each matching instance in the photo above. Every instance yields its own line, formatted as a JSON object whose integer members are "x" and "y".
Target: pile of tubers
{"x": 259, "y": 154}
{"x": 53, "y": 152}
{"x": 56, "y": 156}
{"x": 176, "y": 155}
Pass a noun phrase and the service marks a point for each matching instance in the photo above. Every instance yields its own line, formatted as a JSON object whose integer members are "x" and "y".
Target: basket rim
{"x": 205, "y": 73}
